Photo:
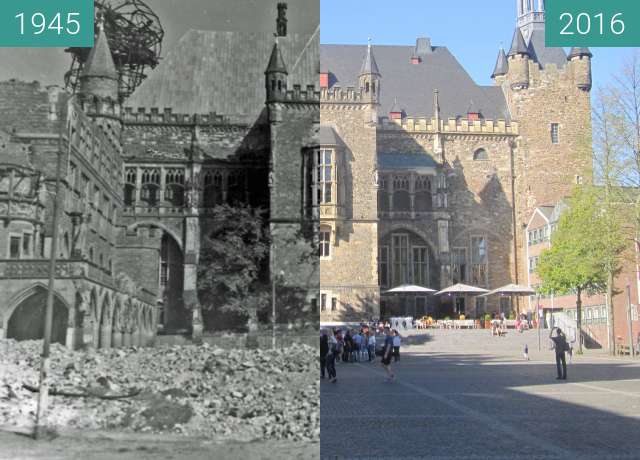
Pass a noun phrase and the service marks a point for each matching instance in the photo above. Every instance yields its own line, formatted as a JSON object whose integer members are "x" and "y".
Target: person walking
{"x": 396, "y": 346}
{"x": 560, "y": 345}
{"x": 324, "y": 350}
{"x": 331, "y": 356}
{"x": 386, "y": 354}
{"x": 371, "y": 345}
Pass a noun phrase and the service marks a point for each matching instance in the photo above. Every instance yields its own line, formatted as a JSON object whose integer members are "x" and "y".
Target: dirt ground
{"x": 109, "y": 446}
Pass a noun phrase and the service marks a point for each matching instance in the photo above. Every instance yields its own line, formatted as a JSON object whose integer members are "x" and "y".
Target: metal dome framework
{"x": 135, "y": 38}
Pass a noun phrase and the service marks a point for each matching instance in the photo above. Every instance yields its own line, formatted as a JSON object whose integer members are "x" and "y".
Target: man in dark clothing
{"x": 324, "y": 349}
{"x": 560, "y": 345}
{"x": 387, "y": 353}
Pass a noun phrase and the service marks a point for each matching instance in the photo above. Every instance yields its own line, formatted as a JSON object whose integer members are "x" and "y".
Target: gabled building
{"x": 434, "y": 175}
{"x": 228, "y": 117}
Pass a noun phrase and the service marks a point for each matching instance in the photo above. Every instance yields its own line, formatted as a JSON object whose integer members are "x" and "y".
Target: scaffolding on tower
{"x": 135, "y": 38}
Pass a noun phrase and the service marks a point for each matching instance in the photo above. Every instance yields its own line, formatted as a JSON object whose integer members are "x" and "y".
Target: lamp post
{"x": 629, "y": 321}
{"x": 539, "y": 321}
{"x": 273, "y": 307}
{"x": 41, "y": 414}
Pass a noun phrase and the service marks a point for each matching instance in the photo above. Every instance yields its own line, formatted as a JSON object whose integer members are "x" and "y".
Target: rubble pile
{"x": 193, "y": 390}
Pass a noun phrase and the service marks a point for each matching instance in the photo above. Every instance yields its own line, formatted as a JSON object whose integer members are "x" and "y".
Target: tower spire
{"x": 369, "y": 65}
{"x": 99, "y": 76}
{"x": 502, "y": 65}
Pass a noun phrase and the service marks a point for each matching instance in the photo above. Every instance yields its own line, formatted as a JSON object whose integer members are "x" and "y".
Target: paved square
{"x": 467, "y": 395}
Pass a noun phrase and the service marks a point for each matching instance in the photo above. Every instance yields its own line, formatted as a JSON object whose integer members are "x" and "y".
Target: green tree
{"x": 231, "y": 270}
{"x": 585, "y": 247}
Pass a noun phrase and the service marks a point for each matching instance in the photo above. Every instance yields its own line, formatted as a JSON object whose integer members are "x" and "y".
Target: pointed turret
{"x": 580, "y": 59}
{"x": 369, "y": 65}
{"x": 579, "y": 52}
{"x": 276, "y": 75}
{"x": 369, "y": 78}
{"x": 518, "y": 62}
{"x": 99, "y": 76}
{"x": 518, "y": 45}
{"x": 502, "y": 65}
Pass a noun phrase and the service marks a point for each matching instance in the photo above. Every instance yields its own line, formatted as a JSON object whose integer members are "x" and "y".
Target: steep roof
{"x": 223, "y": 72}
{"x": 100, "y": 62}
{"x": 518, "y": 45}
{"x": 398, "y": 161}
{"x": 575, "y": 51}
{"x": 539, "y": 52}
{"x": 502, "y": 64}
{"x": 276, "y": 63}
{"x": 369, "y": 65}
{"x": 413, "y": 84}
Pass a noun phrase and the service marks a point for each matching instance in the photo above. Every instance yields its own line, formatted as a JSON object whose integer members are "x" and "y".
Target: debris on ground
{"x": 195, "y": 390}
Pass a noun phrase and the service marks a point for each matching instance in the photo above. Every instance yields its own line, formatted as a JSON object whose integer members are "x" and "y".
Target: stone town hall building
{"x": 227, "y": 117}
{"x": 428, "y": 178}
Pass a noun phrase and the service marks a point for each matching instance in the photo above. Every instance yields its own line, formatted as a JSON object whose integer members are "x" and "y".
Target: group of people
{"x": 357, "y": 345}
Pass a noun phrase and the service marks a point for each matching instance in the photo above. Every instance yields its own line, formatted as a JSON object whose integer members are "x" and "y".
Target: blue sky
{"x": 472, "y": 30}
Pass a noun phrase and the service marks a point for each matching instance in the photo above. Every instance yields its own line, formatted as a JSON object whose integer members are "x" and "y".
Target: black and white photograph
{"x": 159, "y": 271}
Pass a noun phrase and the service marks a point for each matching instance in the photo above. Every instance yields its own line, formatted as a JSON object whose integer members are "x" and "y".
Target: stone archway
{"x": 116, "y": 324}
{"x": 175, "y": 316}
{"x": 26, "y": 317}
{"x": 104, "y": 328}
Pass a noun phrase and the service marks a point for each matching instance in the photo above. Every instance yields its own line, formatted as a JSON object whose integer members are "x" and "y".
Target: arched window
{"x": 423, "y": 201}
{"x": 401, "y": 200}
{"x": 150, "y": 191}
{"x": 480, "y": 154}
{"x": 174, "y": 193}
{"x": 235, "y": 187}
{"x": 212, "y": 195}
{"x": 130, "y": 175}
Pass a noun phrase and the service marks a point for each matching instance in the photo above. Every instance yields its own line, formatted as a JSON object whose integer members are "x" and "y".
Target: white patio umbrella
{"x": 410, "y": 289}
{"x": 462, "y": 290}
{"x": 512, "y": 290}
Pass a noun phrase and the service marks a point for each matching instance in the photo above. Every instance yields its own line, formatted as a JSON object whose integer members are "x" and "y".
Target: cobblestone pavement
{"x": 116, "y": 446}
{"x": 467, "y": 395}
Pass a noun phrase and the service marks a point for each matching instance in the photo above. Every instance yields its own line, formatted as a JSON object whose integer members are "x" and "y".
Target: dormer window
{"x": 415, "y": 60}
{"x": 324, "y": 79}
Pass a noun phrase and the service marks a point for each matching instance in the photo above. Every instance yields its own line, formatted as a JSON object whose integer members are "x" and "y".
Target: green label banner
{"x": 604, "y": 23}
{"x": 46, "y": 23}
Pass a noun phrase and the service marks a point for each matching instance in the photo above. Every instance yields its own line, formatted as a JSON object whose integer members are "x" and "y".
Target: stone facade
{"x": 455, "y": 189}
{"x": 139, "y": 184}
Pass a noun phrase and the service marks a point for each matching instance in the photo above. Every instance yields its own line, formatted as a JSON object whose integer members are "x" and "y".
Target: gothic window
{"x": 323, "y": 302}
{"x": 27, "y": 245}
{"x": 334, "y": 303}
{"x": 174, "y": 192}
{"x": 150, "y": 191}
{"x": 480, "y": 154}
{"x": 555, "y": 133}
{"x": 479, "y": 261}
{"x": 400, "y": 253}
{"x": 325, "y": 242}
{"x": 235, "y": 187}
{"x": 130, "y": 176}
{"x": 401, "y": 200}
{"x": 324, "y": 166}
{"x": 401, "y": 197}
{"x": 212, "y": 195}
{"x": 420, "y": 265}
{"x": 14, "y": 246}
{"x": 423, "y": 198}
{"x": 459, "y": 265}
{"x": 383, "y": 265}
